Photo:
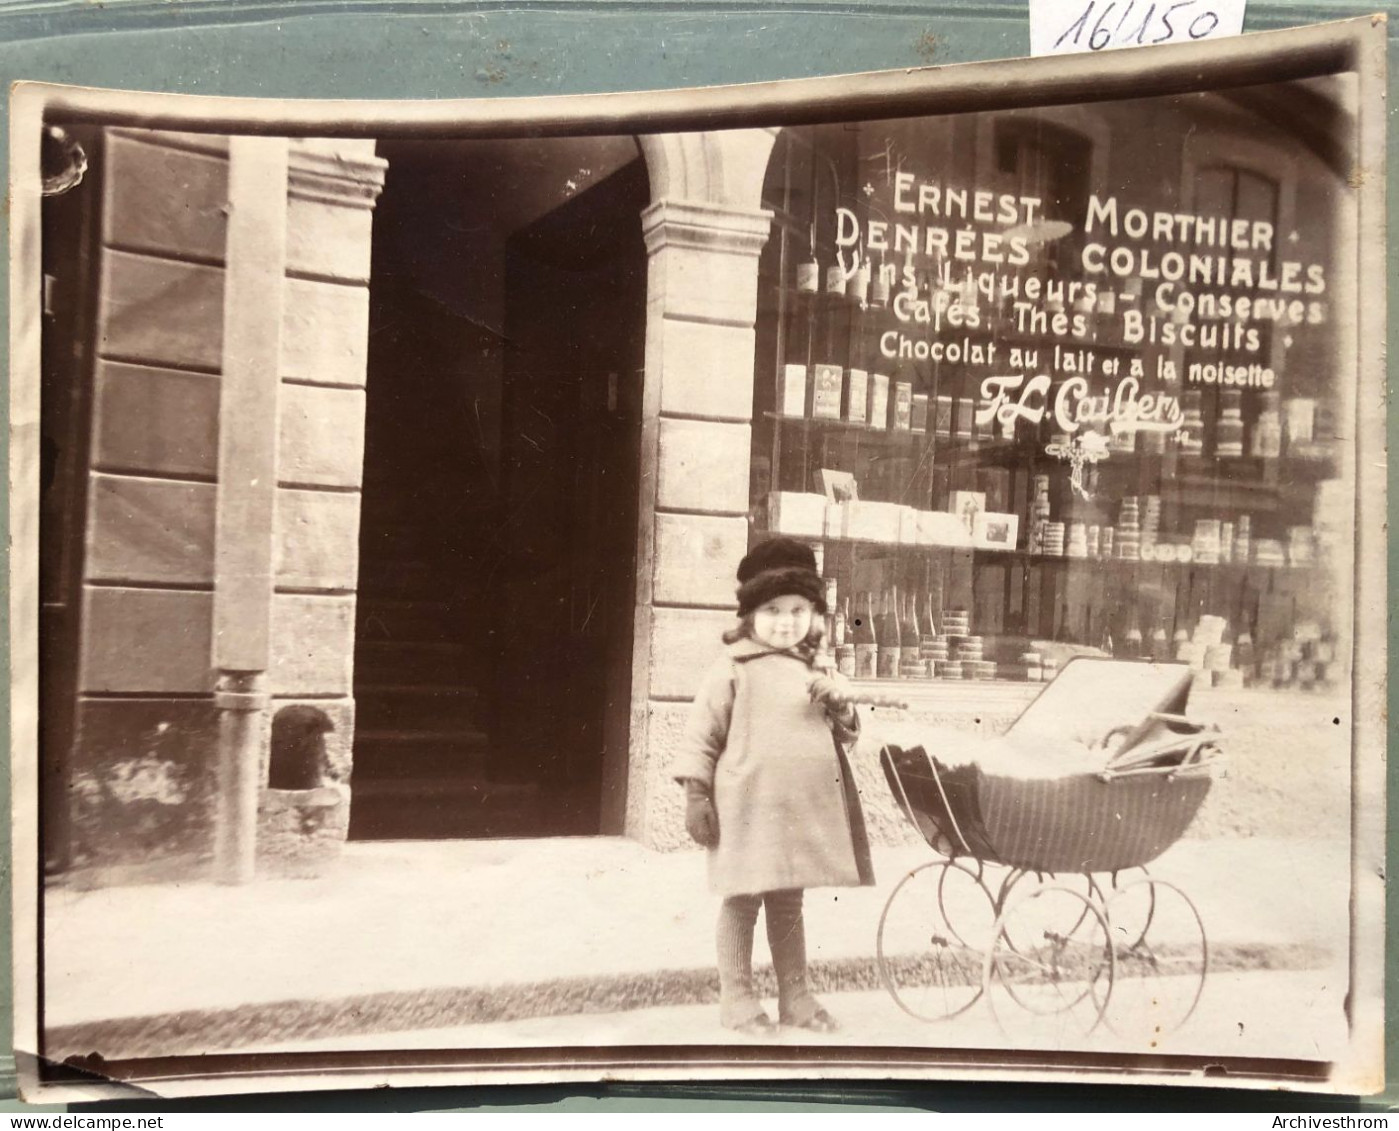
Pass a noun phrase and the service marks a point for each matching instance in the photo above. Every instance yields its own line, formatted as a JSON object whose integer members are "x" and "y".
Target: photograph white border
{"x": 1354, "y": 45}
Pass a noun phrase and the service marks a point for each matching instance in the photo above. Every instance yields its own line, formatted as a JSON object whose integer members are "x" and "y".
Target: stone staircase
{"x": 422, "y": 713}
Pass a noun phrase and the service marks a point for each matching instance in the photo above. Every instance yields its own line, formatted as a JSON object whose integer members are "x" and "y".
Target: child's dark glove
{"x": 701, "y": 818}
{"x": 835, "y": 695}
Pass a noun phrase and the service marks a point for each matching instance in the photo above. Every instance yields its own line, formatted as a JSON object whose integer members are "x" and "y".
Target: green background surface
{"x": 436, "y": 49}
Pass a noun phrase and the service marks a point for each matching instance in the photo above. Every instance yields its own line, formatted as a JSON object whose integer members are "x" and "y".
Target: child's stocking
{"x": 787, "y": 938}
{"x": 738, "y": 1003}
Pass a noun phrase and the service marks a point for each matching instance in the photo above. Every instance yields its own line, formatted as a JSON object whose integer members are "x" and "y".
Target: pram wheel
{"x": 1162, "y": 959}
{"x": 1052, "y": 954}
{"x": 933, "y": 936}
{"x": 1019, "y": 878}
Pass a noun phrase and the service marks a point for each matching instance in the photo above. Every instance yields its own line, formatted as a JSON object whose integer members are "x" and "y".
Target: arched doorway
{"x": 498, "y": 531}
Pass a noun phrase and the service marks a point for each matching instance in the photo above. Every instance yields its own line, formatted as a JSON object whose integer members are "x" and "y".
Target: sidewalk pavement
{"x": 1279, "y": 1015}
{"x": 402, "y": 937}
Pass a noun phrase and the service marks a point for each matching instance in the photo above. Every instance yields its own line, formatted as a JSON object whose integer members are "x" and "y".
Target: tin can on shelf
{"x": 879, "y": 288}
{"x": 887, "y": 664}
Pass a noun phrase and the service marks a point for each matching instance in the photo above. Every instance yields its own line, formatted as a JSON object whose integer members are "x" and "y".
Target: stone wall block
{"x": 165, "y": 200}
{"x": 317, "y": 539}
{"x": 696, "y": 557}
{"x": 706, "y": 370}
{"x": 663, "y": 825}
{"x": 703, "y": 466}
{"x": 146, "y": 640}
{"x": 684, "y": 643}
{"x": 702, "y": 283}
{"x": 161, "y": 312}
{"x": 328, "y": 240}
{"x": 313, "y": 641}
{"x": 150, "y": 530}
{"x": 322, "y": 436}
{"x": 155, "y": 420}
{"x": 325, "y": 333}
{"x": 141, "y": 792}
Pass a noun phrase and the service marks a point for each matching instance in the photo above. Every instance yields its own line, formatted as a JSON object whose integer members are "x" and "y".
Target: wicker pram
{"x": 1082, "y": 838}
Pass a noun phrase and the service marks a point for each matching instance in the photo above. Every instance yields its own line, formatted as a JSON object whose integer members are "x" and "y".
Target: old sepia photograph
{"x": 878, "y": 577}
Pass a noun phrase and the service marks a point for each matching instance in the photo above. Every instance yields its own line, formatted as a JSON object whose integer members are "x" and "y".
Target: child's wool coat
{"x": 789, "y": 816}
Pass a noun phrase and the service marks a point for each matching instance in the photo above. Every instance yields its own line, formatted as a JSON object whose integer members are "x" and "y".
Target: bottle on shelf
{"x": 1160, "y": 644}
{"x": 809, "y": 270}
{"x": 1132, "y": 640}
{"x": 825, "y": 657}
{"x": 928, "y": 650}
{"x": 858, "y": 287}
{"x": 910, "y": 629}
{"x": 889, "y": 637}
{"x": 835, "y": 280}
{"x": 1243, "y": 539}
{"x": 930, "y": 628}
{"x": 828, "y": 368}
{"x": 1191, "y": 434}
{"x": 879, "y": 285}
{"x": 855, "y": 399}
{"x": 911, "y": 665}
{"x": 866, "y": 641}
{"x": 1244, "y": 658}
{"x": 839, "y": 621}
{"x": 794, "y": 396}
{"x": 1229, "y": 428}
{"x": 1267, "y": 430}
{"x": 1040, "y": 512}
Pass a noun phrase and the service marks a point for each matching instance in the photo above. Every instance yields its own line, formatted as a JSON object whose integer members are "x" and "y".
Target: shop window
{"x": 1042, "y": 401}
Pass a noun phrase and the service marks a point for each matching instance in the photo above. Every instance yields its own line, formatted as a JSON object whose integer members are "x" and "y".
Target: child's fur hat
{"x": 776, "y": 568}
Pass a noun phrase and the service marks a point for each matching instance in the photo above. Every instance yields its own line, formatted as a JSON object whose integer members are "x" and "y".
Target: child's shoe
{"x": 818, "y": 1021}
{"x": 759, "y": 1025}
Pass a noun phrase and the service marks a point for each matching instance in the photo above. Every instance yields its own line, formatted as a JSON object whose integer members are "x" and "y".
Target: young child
{"x": 768, "y": 790}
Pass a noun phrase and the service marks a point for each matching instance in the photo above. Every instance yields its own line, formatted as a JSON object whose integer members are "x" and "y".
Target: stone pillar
{"x": 704, "y": 233}
{"x": 333, "y": 185}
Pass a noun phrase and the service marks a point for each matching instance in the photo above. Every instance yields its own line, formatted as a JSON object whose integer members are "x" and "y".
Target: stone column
{"x": 333, "y": 185}
{"x": 703, "y": 234}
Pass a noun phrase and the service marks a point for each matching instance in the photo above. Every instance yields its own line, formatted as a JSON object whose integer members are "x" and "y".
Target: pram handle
{"x": 870, "y": 699}
{"x": 1179, "y": 720}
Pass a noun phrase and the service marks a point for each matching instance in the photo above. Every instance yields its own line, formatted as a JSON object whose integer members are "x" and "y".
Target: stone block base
{"x": 300, "y": 831}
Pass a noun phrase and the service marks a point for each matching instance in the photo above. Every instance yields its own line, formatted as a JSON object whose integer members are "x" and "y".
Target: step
{"x": 431, "y": 809}
{"x": 409, "y": 661}
{"x": 412, "y": 577}
{"x": 406, "y": 620}
{"x": 410, "y": 736}
{"x": 436, "y": 706}
{"x": 388, "y": 755}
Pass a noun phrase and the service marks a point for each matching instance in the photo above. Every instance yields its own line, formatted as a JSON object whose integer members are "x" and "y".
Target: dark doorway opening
{"x": 498, "y": 529}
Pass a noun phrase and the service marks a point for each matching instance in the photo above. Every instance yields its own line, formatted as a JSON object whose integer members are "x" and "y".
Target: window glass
{"x": 1065, "y": 381}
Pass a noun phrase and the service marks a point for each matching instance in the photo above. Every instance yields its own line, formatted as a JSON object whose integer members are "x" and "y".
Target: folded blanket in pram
{"x": 1099, "y": 716}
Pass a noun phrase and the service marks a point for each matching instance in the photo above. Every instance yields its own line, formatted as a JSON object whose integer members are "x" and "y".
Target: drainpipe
{"x": 247, "y": 489}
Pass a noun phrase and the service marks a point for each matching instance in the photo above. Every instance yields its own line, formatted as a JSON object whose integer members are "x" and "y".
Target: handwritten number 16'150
{"x": 1132, "y": 25}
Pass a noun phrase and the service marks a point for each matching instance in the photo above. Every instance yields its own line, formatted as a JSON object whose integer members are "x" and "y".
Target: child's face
{"x": 783, "y": 621}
